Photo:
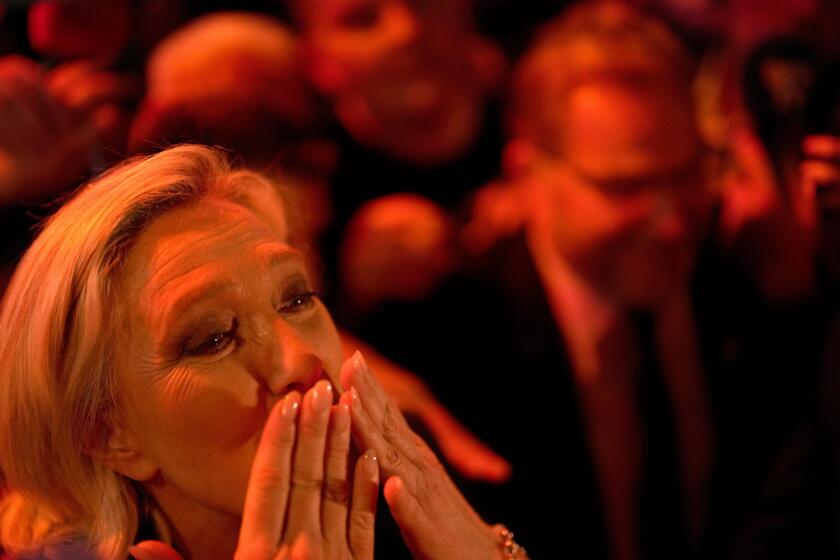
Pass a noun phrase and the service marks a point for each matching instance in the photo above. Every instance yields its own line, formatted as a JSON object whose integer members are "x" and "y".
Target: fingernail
{"x": 354, "y": 394}
{"x": 371, "y": 464}
{"x": 359, "y": 362}
{"x": 291, "y": 404}
{"x": 341, "y": 418}
{"x": 322, "y": 397}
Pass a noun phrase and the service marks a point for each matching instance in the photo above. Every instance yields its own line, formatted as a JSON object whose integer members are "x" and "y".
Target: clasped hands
{"x": 301, "y": 503}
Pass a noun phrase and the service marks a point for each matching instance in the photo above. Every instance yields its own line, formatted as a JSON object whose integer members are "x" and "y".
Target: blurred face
{"x": 406, "y": 77}
{"x": 96, "y": 29}
{"x": 221, "y": 323}
{"x": 398, "y": 246}
{"x": 626, "y": 203}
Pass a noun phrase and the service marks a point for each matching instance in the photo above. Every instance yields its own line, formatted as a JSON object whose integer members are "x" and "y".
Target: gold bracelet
{"x": 509, "y": 547}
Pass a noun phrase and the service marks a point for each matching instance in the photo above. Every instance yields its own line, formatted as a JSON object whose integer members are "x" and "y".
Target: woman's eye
{"x": 213, "y": 344}
{"x": 299, "y": 302}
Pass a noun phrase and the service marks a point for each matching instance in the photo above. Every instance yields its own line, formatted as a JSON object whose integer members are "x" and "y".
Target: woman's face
{"x": 220, "y": 322}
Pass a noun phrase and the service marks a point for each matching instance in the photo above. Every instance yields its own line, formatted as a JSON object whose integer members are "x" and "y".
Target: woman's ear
{"x": 122, "y": 453}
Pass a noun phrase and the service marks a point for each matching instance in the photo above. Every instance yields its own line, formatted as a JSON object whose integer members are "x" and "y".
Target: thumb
{"x": 153, "y": 550}
{"x": 410, "y": 517}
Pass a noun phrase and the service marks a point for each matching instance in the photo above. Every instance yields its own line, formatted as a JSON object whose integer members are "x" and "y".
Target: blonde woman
{"x": 168, "y": 367}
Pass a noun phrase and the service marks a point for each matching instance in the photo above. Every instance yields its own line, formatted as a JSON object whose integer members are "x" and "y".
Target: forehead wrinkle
{"x": 219, "y": 218}
{"x": 187, "y": 245}
{"x": 172, "y": 247}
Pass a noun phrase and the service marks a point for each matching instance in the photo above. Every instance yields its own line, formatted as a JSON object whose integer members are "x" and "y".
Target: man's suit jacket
{"x": 489, "y": 347}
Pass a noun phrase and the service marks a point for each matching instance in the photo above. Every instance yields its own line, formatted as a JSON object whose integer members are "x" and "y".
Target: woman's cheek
{"x": 215, "y": 407}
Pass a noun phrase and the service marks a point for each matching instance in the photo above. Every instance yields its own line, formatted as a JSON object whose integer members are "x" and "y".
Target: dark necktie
{"x": 662, "y": 529}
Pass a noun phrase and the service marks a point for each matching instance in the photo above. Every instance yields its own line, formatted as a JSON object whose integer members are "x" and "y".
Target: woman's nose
{"x": 291, "y": 363}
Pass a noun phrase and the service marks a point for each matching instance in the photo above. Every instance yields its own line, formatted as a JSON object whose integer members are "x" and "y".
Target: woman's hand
{"x": 42, "y": 149}
{"x": 820, "y": 189}
{"x": 820, "y": 173}
{"x": 434, "y": 518}
{"x": 300, "y": 503}
{"x": 97, "y": 98}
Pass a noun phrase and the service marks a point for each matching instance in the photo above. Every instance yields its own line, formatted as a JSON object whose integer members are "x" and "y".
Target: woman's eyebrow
{"x": 273, "y": 255}
{"x": 167, "y": 305}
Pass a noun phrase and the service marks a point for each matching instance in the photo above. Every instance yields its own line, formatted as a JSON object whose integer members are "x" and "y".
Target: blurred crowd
{"x": 604, "y": 235}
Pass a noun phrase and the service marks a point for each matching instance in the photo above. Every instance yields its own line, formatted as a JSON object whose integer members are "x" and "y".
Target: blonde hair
{"x": 57, "y": 384}
{"x": 590, "y": 41}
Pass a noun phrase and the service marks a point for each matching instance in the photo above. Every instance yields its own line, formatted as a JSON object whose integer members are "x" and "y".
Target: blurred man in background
{"x": 611, "y": 334}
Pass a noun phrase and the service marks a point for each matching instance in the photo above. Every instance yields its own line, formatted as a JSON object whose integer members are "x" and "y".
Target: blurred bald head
{"x": 227, "y": 78}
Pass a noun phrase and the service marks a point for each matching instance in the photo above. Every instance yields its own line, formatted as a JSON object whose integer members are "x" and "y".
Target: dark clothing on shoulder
{"x": 489, "y": 347}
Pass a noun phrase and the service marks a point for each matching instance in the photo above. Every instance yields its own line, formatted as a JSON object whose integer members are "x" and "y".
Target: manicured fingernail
{"x": 371, "y": 464}
{"x": 291, "y": 404}
{"x": 359, "y": 362}
{"x": 341, "y": 418}
{"x": 322, "y": 397}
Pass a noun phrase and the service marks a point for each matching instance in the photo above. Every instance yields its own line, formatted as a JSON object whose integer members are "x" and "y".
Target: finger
{"x": 820, "y": 183}
{"x": 268, "y": 486}
{"x": 379, "y": 407}
{"x": 21, "y": 128}
{"x": 303, "y": 549}
{"x": 304, "y": 515}
{"x": 751, "y": 158}
{"x": 283, "y": 553}
{"x": 367, "y": 436}
{"x": 336, "y": 484}
{"x": 13, "y": 65}
{"x": 363, "y": 512}
{"x": 66, "y": 76}
{"x": 820, "y": 171}
{"x": 407, "y": 512}
{"x": 47, "y": 116}
{"x": 822, "y": 146}
{"x": 153, "y": 550}
{"x": 101, "y": 88}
